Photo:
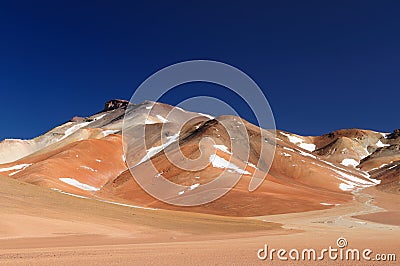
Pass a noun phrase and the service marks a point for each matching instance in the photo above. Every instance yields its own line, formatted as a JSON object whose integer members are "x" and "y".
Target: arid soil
{"x": 42, "y": 227}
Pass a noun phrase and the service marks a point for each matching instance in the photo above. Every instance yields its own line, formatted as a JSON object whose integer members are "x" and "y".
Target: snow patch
{"x": 159, "y": 174}
{"x": 150, "y": 122}
{"x": 300, "y": 142}
{"x": 346, "y": 187}
{"x": 73, "y": 129}
{"x": 385, "y": 135}
{"x": 288, "y": 149}
{"x": 383, "y": 165}
{"x": 16, "y": 167}
{"x": 292, "y": 139}
{"x": 307, "y": 154}
{"x": 16, "y": 172}
{"x": 109, "y": 131}
{"x": 180, "y": 109}
{"x": 251, "y": 165}
{"x": 355, "y": 180}
{"x": 154, "y": 150}
{"x": 162, "y": 119}
{"x": 88, "y": 168}
{"x": 328, "y": 204}
{"x": 76, "y": 183}
{"x": 222, "y": 148}
{"x": 219, "y": 162}
{"x": 194, "y": 186}
{"x": 350, "y": 162}
{"x": 99, "y": 117}
{"x": 189, "y": 188}
{"x": 307, "y": 146}
{"x": 206, "y": 115}
{"x": 381, "y": 145}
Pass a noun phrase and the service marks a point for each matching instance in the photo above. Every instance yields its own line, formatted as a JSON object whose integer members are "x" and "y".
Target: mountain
{"x": 84, "y": 157}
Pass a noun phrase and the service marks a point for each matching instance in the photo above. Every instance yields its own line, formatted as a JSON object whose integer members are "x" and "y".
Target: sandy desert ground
{"x": 42, "y": 227}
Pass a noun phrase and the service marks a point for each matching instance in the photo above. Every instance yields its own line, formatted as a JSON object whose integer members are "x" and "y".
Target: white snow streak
{"x": 300, "y": 142}
{"x": 76, "y": 183}
{"x": 15, "y": 167}
{"x": 206, "y": 115}
{"x": 109, "y": 131}
{"x": 99, "y": 117}
{"x": 154, "y": 150}
{"x": 222, "y": 148}
{"x": 219, "y": 162}
{"x": 288, "y": 149}
{"x": 88, "y": 168}
{"x": 69, "y": 194}
{"x": 150, "y": 122}
{"x": 162, "y": 119}
{"x": 251, "y": 165}
{"x": 193, "y": 186}
{"x": 74, "y": 128}
{"x": 16, "y": 172}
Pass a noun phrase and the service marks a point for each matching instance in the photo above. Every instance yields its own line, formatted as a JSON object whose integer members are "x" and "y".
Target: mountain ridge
{"x": 84, "y": 157}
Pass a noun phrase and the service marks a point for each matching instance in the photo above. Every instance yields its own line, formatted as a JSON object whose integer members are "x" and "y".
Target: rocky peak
{"x": 115, "y": 104}
{"x": 395, "y": 134}
{"x": 77, "y": 119}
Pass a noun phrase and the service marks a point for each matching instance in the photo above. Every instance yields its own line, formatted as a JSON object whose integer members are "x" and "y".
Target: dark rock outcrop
{"x": 395, "y": 134}
{"x": 115, "y": 104}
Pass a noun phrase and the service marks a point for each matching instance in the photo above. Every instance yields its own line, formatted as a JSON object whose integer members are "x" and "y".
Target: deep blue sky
{"x": 323, "y": 65}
